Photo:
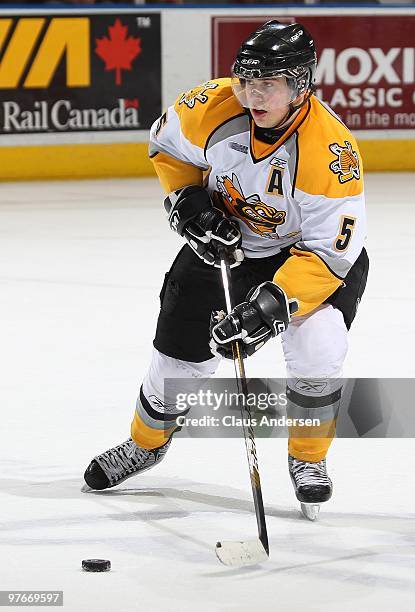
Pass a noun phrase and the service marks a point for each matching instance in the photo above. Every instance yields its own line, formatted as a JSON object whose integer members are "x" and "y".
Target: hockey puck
{"x": 96, "y": 565}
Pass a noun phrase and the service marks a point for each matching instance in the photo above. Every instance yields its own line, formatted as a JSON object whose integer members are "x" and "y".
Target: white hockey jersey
{"x": 304, "y": 190}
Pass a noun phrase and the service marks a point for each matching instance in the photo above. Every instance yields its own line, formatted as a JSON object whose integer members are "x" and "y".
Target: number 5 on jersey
{"x": 347, "y": 225}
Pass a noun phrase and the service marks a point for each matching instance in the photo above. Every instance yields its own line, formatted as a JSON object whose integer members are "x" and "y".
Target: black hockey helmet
{"x": 278, "y": 49}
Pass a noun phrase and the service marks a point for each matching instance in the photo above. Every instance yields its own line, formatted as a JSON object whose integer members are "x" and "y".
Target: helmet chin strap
{"x": 292, "y": 112}
{"x": 286, "y": 120}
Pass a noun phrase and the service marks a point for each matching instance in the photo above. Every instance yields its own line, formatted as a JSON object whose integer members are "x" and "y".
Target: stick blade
{"x": 239, "y": 554}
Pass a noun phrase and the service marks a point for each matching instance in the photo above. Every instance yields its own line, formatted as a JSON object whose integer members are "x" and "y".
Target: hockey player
{"x": 257, "y": 166}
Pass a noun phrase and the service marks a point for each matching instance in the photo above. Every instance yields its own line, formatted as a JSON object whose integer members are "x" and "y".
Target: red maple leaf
{"x": 119, "y": 50}
{"x": 131, "y": 103}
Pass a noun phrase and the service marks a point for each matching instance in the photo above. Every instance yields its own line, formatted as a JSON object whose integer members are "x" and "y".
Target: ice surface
{"x": 81, "y": 264}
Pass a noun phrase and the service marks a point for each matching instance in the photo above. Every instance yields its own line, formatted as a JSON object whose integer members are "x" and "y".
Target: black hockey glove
{"x": 265, "y": 314}
{"x": 206, "y": 229}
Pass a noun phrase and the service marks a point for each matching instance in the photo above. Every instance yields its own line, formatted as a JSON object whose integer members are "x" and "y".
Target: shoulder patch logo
{"x": 346, "y": 166}
{"x": 197, "y": 94}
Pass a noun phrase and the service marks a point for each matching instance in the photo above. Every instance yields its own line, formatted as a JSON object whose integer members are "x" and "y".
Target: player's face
{"x": 268, "y": 99}
{"x": 269, "y": 118}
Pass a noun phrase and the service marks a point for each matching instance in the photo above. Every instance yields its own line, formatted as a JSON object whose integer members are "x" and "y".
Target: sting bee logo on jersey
{"x": 197, "y": 94}
{"x": 346, "y": 166}
{"x": 259, "y": 217}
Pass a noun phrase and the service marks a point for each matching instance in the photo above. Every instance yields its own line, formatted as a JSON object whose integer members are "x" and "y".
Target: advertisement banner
{"x": 79, "y": 72}
{"x": 366, "y": 64}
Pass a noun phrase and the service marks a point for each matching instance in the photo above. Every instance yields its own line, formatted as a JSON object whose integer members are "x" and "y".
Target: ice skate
{"x": 119, "y": 463}
{"x": 311, "y": 484}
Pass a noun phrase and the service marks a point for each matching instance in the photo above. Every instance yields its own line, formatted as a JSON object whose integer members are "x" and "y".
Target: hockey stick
{"x": 248, "y": 552}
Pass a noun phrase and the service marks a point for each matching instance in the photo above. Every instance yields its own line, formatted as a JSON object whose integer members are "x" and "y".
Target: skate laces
{"x": 309, "y": 473}
{"x": 122, "y": 459}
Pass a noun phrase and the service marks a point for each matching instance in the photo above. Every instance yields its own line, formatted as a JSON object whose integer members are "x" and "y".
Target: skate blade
{"x": 310, "y": 511}
{"x": 240, "y": 554}
{"x": 86, "y": 489}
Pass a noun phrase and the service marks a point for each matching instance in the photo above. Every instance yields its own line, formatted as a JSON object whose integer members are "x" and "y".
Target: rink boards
{"x": 79, "y": 89}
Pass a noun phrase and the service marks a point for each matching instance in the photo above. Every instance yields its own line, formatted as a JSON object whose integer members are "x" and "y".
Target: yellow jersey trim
{"x": 307, "y": 278}
{"x": 174, "y": 174}
{"x": 203, "y": 109}
{"x": 329, "y": 163}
